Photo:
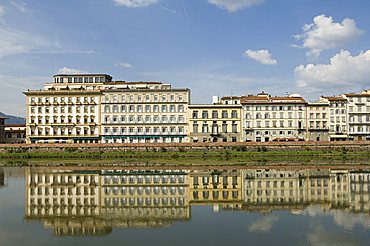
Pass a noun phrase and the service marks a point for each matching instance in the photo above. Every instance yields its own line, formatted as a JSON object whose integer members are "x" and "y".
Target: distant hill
{"x": 13, "y": 119}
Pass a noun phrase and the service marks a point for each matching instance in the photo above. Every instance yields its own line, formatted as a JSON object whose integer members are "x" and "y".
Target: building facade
{"x": 317, "y": 121}
{"x": 359, "y": 115}
{"x": 214, "y": 123}
{"x": 67, "y": 110}
{"x": 15, "y": 133}
{"x": 144, "y": 112}
{"x": 267, "y": 118}
{"x": 338, "y": 118}
{"x": 2, "y": 129}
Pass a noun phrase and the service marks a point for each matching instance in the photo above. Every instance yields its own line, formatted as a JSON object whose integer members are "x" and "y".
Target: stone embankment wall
{"x": 189, "y": 147}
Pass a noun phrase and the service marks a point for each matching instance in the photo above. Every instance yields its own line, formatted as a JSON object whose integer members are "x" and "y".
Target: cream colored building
{"x": 338, "y": 118}
{"x": 215, "y": 123}
{"x": 318, "y": 121}
{"x": 144, "y": 112}
{"x": 359, "y": 115}
{"x": 267, "y": 118}
{"x": 67, "y": 110}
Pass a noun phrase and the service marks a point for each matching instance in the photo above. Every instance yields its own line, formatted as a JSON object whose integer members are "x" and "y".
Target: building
{"x": 214, "y": 123}
{"x": 15, "y": 133}
{"x": 359, "y": 115}
{"x": 93, "y": 202}
{"x": 216, "y": 187}
{"x": 317, "y": 121}
{"x": 2, "y": 129}
{"x": 267, "y": 118}
{"x": 67, "y": 110}
{"x": 338, "y": 118}
{"x": 144, "y": 112}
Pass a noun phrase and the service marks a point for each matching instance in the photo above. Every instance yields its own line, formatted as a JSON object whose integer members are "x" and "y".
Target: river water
{"x": 201, "y": 206}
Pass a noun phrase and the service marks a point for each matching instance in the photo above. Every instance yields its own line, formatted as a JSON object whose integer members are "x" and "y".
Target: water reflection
{"x": 92, "y": 202}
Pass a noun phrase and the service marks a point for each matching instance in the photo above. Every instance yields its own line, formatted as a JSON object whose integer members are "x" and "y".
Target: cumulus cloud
{"x": 234, "y": 5}
{"x": 324, "y": 34}
{"x": 263, "y": 225}
{"x": 261, "y": 56}
{"x": 135, "y": 3}
{"x": 343, "y": 70}
{"x": 66, "y": 70}
{"x": 123, "y": 64}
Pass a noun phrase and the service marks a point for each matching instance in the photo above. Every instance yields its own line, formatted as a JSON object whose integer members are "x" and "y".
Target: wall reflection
{"x": 92, "y": 202}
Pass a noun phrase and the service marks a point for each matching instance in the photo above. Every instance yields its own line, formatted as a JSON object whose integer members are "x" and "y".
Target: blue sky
{"x": 213, "y": 47}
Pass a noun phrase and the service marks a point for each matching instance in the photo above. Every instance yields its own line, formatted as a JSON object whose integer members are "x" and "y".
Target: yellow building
{"x": 215, "y": 123}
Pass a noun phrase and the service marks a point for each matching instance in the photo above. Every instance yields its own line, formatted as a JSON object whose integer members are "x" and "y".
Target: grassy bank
{"x": 235, "y": 154}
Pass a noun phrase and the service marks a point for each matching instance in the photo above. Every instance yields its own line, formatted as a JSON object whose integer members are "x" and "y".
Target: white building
{"x": 144, "y": 112}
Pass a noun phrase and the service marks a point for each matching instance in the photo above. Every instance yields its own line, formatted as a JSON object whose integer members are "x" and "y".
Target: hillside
{"x": 13, "y": 119}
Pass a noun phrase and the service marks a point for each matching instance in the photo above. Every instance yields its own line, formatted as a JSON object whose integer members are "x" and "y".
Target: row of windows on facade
{"x": 274, "y": 123}
{"x": 62, "y": 179}
{"x": 359, "y": 119}
{"x": 359, "y": 99}
{"x": 359, "y": 109}
{"x": 70, "y": 100}
{"x": 215, "y": 128}
{"x": 78, "y": 191}
{"x": 273, "y": 116}
{"x": 80, "y": 79}
{"x": 214, "y": 114}
{"x": 63, "y": 110}
{"x": 144, "y": 119}
{"x": 144, "y": 190}
{"x": 61, "y": 201}
{"x": 273, "y": 108}
{"x": 215, "y": 195}
{"x": 62, "y": 119}
{"x": 143, "y": 98}
{"x": 317, "y": 116}
{"x": 144, "y": 179}
{"x": 318, "y": 125}
{"x": 164, "y": 201}
{"x": 215, "y": 180}
{"x": 51, "y": 131}
{"x": 142, "y": 130}
{"x": 359, "y": 129}
{"x": 142, "y": 108}
{"x": 271, "y": 133}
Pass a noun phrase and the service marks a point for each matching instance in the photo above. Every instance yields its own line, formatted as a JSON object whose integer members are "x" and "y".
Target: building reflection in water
{"x": 2, "y": 178}
{"x": 80, "y": 202}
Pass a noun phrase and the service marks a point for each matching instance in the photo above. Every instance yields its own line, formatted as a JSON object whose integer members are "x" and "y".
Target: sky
{"x": 213, "y": 47}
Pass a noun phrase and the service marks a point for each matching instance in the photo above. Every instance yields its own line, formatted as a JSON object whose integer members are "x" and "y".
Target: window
{"x": 234, "y": 114}
{"x": 195, "y": 115}
{"x": 204, "y": 114}
{"x": 214, "y": 114}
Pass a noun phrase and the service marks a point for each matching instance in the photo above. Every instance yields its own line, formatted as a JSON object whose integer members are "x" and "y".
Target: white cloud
{"x": 324, "y": 34}
{"x": 263, "y": 225}
{"x": 16, "y": 42}
{"x": 135, "y": 3}
{"x": 343, "y": 70}
{"x": 19, "y": 5}
{"x": 261, "y": 56}
{"x": 123, "y": 64}
{"x": 234, "y": 5}
{"x": 66, "y": 70}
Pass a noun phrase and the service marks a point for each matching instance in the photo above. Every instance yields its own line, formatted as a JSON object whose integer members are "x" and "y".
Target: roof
{"x": 132, "y": 83}
{"x": 84, "y": 74}
{"x": 334, "y": 98}
{"x": 230, "y": 97}
{"x": 271, "y": 100}
{"x": 357, "y": 95}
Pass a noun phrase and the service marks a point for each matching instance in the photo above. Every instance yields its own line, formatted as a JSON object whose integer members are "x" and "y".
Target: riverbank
{"x": 236, "y": 151}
